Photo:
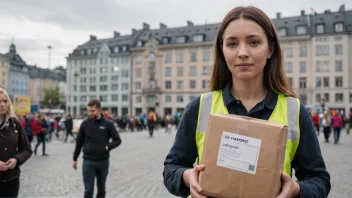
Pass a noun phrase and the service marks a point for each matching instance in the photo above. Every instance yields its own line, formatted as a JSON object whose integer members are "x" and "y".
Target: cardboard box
{"x": 243, "y": 157}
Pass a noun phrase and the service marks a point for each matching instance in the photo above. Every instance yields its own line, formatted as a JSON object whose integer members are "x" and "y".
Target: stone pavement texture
{"x": 136, "y": 168}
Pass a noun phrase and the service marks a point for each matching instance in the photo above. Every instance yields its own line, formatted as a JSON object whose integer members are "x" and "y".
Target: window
{"x": 338, "y": 49}
{"x": 302, "y": 29}
{"x": 322, "y": 66}
{"x": 92, "y": 88}
{"x": 124, "y": 86}
{"x": 124, "y": 73}
{"x": 326, "y": 97}
{"x": 138, "y": 85}
{"x": 167, "y": 98}
{"x": 179, "y": 98}
{"x": 206, "y": 70}
{"x": 193, "y": 71}
{"x": 165, "y": 40}
{"x": 350, "y": 98}
{"x": 302, "y": 67}
{"x": 138, "y": 59}
{"x": 192, "y": 84}
{"x": 103, "y": 78}
{"x": 322, "y": 50}
{"x": 179, "y": 58}
{"x": 302, "y": 82}
{"x": 114, "y": 97}
{"x": 338, "y": 27}
{"x": 338, "y": 65}
{"x": 205, "y": 84}
{"x": 179, "y": 71}
{"x": 338, "y": 81}
{"x": 83, "y": 88}
{"x": 89, "y": 52}
{"x": 83, "y": 98}
{"x": 326, "y": 81}
{"x": 339, "y": 97}
{"x": 124, "y": 48}
{"x": 180, "y": 39}
{"x": 104, "y": 70}
{"x": 116, "y": 49}
{"x": 139, "y": 99}
{"x": 124, "y": 98}
{"x": 290, "y": 81}
{"x": 92, "y": 70}
{"x": 318, "y": 82}
{"x": 114, "y": 78}
{"x": 138, "y": 72}
{"x": 288, "y": 52}
{"x": 179, "y": 84}
{"x": 124, "y": 60}
{"x": 303, "y": 98}
{"x": 303, "y": 51}
{"x": 288, "y": 67}
{"x": 168, "y": 84}
{"x": 83, "y": 71}
{"x": 168, "y": 58}
{"x": 114, "y": 87}
{"x": 167, "y": 71}
{"x": 317, "y": 98}
{"x": 193, "y": 56}
{"x": 74, "y": 88}
{"x": 206, "y": 56}
{"x": 320, "y": 28}
{"x": 83, "y": 80}
{"x": 338, "y": 38}
{"x": 282, "y": 32}
{"x": 103, "y": 98}
{"x": 139, "y": 43}
{"x": 198, "y": 38}
{"x": 103, "y": 87}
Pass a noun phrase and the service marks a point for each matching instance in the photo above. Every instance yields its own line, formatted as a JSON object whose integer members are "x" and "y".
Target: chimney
{"x": 278, "y": 15}
{"x": 327, "y": 11}
{"x": 303, "y": 13}
{"x": 162, "y": 26}
{"x": 133, "y": 30}
{"x": 93, "y": 38}
{"x": 342, "y": 8}
{"x": 146, "y": 26}
{"x": 116, "y": 34}
{"x": 189, "y": 24}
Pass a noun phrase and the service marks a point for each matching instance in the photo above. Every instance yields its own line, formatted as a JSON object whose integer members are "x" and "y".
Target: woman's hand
{"x": 190, "y": 177}
{"x": 3, "y": 166}
{"x": 290, "y": 188}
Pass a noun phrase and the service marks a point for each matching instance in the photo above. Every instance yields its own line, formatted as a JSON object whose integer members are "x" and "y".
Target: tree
{"x": 52, "y": 97}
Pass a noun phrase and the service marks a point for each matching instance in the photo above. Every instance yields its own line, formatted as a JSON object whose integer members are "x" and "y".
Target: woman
{"x": 14, "y": 147}
{"x": 39, "y": 131}
{"x": 326, "y": 122}
{"x": 337, "y": 123}
{"x": 248, "y": 79}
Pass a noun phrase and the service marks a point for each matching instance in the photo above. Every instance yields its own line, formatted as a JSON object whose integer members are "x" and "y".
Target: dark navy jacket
{"x": 310, "y": 170}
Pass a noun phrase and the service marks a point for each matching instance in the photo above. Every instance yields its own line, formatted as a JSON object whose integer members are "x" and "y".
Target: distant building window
{"x": 168, "y": 99}
{"x": 318, "y": 98}
{"x": 114, "y": 97}
{"x": 321, "y": 50}
{"x": 168, "y": 71}
{"x": 339, "y": 97}
{"x": 338, "y": 81}
{"x": 92, "y": 88}
{"x": 180, "y": 84}
{"x": 180, "y": 39}
{"x": 83, "y": 88}
{"x": 138, "y": 72}
{"x": 138, "y": 59}
{"x": 179, "y": 99}
{"x": 139, "y": 43}
{"x": 290, "y": 81}
{"x": 338, "y": 65}
{"x": 124, "y": 98}
{"x": 302, "y": 29}
{"x": 326, "y": 81}
{"x": 165, "y": 40}
{"x": 103, "y": 87}
{"x": 103, "y": 69}
{"x": 179, "y": 58}
{"x": 320, "y": 28}
{"x": 139, "y": 99}
{"x": 114, "y": 78}
{"x": 198, "y": 38}
{"x": 350, "y": 98}
{"x": 302, "y": 82}
{"x": 326, "y": 97}
{"x": 103, "y": 98}
{"x": 193, "y": 71}
{"x": 206, "y": 70}
{"x": 303, "y": 51}
{"x": 338, "y": 49}
{"x": 206, "y": 56}
{"x": 317, "y": 81}
{"x": 124, "y": 73}
{"x": 282, "y": 32}
{"x": 303, "y": 98}
{"x": 89, "y": 52}
{"x": 124, "y": 48}
{"x": 322, "y": 66}
{"x": 168, "y": 84}
{"x": 302, "y": 67}
{"x": 193, "y": 56}
{"x": 124, "y": 86}
{"x": 116, "y": 49}
{"x": 192, "y": 84}
{"x": 114, "y": 87}
{"x": 82, "y": 52}
{"x": 168, "y": 58}
{"x": 338, "y": 27}
{"x": 338, "y": 38}
{"x": 288, "y": 52}
{"x": 138, "y": 85}
{"x": 288, "y": 67}
{"x": 179, "y": 71}
{"x": 103, "y": 78}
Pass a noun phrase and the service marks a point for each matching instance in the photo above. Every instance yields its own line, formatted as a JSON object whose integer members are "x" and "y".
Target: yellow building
{"x": 4, "y": 71}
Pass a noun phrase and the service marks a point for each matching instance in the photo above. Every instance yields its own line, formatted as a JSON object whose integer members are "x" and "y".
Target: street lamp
{"x": 49, "y": 47}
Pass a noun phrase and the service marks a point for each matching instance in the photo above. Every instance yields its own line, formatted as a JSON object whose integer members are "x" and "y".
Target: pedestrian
{"x": 69, "y": 127}
{"x": 248, "y": 79}
{"x": 316, "y": 121}
{"x": 326, "y": 122}
{"x": 336, "y": 122}
{"x": 28, "y": 128}
{"x": 38, "y": 129}
{"x": 14, "y": 146}
{"x": 151, "y": 123}
{"x": 94, "y": 135}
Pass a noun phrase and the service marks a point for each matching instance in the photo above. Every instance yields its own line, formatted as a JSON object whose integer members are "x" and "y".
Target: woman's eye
{"x": 254, "y": 42}
{"x": 232, "y": 44}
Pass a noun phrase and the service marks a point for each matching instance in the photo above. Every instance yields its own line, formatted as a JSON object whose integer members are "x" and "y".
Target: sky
{"x": 64, "y": 24}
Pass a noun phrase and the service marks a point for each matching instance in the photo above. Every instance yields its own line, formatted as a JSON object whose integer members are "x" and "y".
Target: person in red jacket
{"x": 316, "y": 121}
{"x": 38, "y": 131}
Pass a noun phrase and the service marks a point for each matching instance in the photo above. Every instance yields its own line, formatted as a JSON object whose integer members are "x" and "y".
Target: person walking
{"x": 336, "y": 122}
{"x": 14, "y": 146}
{"x": 151, "y": 123}
{"x": 94, "y": 135}
{"x": 316, "y": 121}
{"x": 326, "y": 122}
{"x": 248, "y": 79}
{"x": 69, "y": 127}
{"x": 39, "y": 131}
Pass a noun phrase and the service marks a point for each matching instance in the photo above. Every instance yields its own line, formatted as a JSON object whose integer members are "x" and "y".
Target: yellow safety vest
{"x": 285, "y": 112}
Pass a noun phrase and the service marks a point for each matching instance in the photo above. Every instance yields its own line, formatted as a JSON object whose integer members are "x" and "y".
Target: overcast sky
{"x": 65, "y": 24}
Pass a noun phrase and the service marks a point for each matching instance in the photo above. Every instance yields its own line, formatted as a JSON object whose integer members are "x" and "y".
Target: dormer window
{"x": 139, "y": 43}
{"x": 320, "y": 28}
{"x": 302, "y": 29}
{"x": 124, "y": 48}
{"x": 338, "y": 27}
{"x": 116, "y": 49}
{"x": 165, "y": 40}
{"x": 95, "y": 50}
{"x": 180, "y": 39}
{"x": 89, "y": 52}
{"x": 198, "y": 38}
{"x": 282, "y": 32}
{"x": 82, "y": 52}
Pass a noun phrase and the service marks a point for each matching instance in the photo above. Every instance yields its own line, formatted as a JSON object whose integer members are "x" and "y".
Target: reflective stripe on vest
{"x": 285, "y": 112}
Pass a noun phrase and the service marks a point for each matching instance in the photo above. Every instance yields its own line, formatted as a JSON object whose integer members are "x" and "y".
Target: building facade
{"x": 100, "y": 69}
{"x": 4, "y": 71}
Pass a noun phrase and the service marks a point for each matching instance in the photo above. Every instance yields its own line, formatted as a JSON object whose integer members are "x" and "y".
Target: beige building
{"x": 4, "y": 71}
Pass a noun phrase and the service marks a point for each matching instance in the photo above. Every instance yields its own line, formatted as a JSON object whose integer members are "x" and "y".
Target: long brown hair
{"x": 274, "y": 74}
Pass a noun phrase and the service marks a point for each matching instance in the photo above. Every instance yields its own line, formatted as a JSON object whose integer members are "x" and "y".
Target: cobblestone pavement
{"x": 136, "y": 168}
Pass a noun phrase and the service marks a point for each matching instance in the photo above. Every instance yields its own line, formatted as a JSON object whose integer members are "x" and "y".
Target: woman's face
{"x": 245, "y": 49}
{"x": 4, "y": 104}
